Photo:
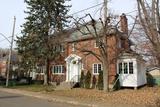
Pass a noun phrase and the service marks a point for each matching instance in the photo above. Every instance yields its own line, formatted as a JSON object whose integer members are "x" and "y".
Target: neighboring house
{"x": 154, "y": 75}
{"x": 3, "y": 66}
{"x": 72, "y": 61}
{"x": 4, "y": 63}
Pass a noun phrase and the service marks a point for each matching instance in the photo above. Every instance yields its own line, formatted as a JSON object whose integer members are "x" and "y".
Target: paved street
{"x": 15, "y": 100}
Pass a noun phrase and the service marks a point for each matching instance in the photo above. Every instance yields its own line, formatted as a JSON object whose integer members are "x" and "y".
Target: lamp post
{"x": 10, "y": 51}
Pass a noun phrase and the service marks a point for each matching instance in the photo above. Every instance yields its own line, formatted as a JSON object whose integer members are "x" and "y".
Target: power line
{"x": 5, "y": 39}
{"x": 86, "y": 9}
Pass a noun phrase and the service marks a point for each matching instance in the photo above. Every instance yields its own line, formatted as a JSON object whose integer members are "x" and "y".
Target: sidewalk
{"x": 63, "y": 99}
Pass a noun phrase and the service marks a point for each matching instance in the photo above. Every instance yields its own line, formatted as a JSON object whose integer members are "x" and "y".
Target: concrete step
{"x": 64, "y": 86}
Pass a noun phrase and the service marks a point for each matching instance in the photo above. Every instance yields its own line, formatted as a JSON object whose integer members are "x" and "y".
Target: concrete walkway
{"x": 63, "y": 99}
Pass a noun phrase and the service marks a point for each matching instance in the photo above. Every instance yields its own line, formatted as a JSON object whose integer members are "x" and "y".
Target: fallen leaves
{"x": 142, "y": 96}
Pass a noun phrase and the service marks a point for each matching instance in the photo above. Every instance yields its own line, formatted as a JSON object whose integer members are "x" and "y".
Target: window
{"x": 125, "y": 68}
{"x": 96, "y": 44}
{"x": 73, "y": 47}
{"x": 58, "y": 69}
{"x": 130, "y": 67}
{"x": 61, "y": 47}
{"x": 97, "y": 68}
{"x": 120, "y": 68}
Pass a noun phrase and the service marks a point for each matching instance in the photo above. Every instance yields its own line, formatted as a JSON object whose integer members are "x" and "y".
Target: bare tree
{"x": 102, "y": 32}
{"x": 149, "y": 17}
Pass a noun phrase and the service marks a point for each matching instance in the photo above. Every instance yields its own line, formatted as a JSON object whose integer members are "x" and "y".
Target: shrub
{"x": 116, "y": 83}
{"x": 82, "y": 79}
{"x": 100, "y": 80}
{"x": 94, "y": 81}
{"x": 88, "y": 80}
{"x": 150, "y": 80}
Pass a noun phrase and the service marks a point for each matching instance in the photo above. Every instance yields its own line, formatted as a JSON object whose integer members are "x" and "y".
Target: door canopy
{"x": 73, "y": 59}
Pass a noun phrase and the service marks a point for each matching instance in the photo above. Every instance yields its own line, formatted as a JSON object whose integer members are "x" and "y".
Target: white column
{"x": 67, "y": 71}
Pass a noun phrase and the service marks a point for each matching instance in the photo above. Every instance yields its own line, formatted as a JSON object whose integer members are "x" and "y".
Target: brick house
{"x": 71, "y": 61}
{"x": 4, "y": 64}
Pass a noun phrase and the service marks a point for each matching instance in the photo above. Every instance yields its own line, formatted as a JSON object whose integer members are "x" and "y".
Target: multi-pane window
{"x": 97, "y": 68}
{"x": 125, "y": 67}
{"x": 58, "y": 69}
{"x": 59, "y": 48}
{"x": 120, "y": 68}
{"x": 131, "y": 67}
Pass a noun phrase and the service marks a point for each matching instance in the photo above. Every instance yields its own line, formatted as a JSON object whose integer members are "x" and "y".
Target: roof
{"x": 153, "y": 68}
{"x": 130, "y": 54}
{"x": 82, "y": 33}
{"x": 14, "y": 58}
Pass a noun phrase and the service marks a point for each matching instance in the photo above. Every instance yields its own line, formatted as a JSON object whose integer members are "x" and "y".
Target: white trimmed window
{"x": 97, "y": 68}
{"x": 96, "y": 44}
{"x": 61, "y": 48}
{"x": 58, "y": 69}
{"x": 73, "y": 47}
{"x": 125, "y": 68}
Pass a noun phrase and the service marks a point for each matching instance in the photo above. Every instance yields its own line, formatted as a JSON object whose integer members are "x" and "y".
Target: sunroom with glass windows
{"x": 131, "y": 70}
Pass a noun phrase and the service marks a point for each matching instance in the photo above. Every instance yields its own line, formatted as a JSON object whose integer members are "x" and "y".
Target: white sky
{"x": 11, "y": 8}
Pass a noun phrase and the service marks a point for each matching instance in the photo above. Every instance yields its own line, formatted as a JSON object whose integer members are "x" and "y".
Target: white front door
{"x": 74, "y": 72}
{"x": 73, "y": 68}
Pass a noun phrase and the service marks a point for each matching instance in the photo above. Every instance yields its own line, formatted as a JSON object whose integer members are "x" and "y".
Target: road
{"x": 15, "y": 100}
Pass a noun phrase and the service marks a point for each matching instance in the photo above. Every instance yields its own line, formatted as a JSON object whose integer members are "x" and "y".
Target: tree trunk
{"x": 48, "y": 71}
{"x": 46, "y": 75}
{"x": 105, "y": 75}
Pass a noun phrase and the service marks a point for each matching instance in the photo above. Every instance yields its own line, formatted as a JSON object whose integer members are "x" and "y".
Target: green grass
{"x": 34, "y": 88}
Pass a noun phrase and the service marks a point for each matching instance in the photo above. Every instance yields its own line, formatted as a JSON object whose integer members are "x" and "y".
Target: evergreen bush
{"x": 82, "y": 79}
{"x": 100, "y": 80}
{"x": 94, "y": 81}
{"x": 116, "y": 83}
{"x": 88, "y": 80}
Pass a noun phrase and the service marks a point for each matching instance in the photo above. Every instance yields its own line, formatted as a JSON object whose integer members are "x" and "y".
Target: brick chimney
{"x": 124, "y": 23}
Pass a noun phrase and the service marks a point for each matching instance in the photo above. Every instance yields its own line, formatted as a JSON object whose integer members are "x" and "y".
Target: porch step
{"x": 65, "y": 86}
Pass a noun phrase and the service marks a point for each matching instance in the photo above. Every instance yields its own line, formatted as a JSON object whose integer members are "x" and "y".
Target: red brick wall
{"x": 89, "y": 60}
{"x": 60, "y": 60}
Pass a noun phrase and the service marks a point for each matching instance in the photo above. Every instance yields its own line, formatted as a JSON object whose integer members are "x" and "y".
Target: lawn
{"x": 149, "y": 96}
{"x": 142, "y": 96}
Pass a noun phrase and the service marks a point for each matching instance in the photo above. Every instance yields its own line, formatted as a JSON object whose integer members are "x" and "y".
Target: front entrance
{"x": 73, "y": 68}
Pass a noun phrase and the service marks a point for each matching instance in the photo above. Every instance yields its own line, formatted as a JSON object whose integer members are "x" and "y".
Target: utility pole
{"x": 10, "y": 53}
{"x": 105, "y": 9}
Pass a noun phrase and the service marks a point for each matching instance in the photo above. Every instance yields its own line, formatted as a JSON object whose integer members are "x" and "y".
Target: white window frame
{"x": 62, "y": 49}
{"x": 73, "y": 47}
{"x": 128, "y": 69}
{"x": 60, "y": 71}
{"x": 95, "y": 44}
{"x": 93, "y": 70}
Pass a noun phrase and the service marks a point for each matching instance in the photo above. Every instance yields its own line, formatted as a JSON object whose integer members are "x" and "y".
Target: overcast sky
{"x": 11, "y": 8}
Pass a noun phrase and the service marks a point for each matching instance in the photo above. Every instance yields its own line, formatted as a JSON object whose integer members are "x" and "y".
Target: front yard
{"x": 149, "y": 96}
